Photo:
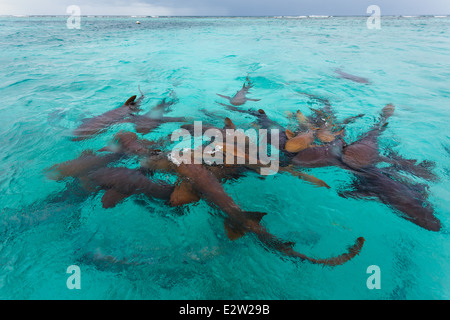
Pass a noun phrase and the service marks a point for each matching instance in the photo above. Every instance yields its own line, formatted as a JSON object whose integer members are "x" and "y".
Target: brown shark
{"x": 237, "y": 222}
{"x": 297, "y": 143}
{"x": 407, "y": 200}
{"x": 360, "y": 158}
{"x": 419, "y": 169}
{"x": 183, "y": 194}
{"x": 323, "y": 119}
{"x": 129, "y": 143}
{"x": 320, "y": 156}
{"x": 120, "y": 183}
{"x": 264, "y": 122}
{"x": 150, "y": 121}
{"x": 93, "y": 126}
{"x": 360, "y": 154}
{"x": 364, "y": 152}
{"x": 289, "y": 144}
{"x": 240, "y": 97}
{"x": 351, "y": 77}
{"x": 82, "y": 166}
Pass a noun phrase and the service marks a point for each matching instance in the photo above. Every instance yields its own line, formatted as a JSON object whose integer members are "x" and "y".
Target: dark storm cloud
{"x": 310, "y": 7}
{"x": 227, "y": 7}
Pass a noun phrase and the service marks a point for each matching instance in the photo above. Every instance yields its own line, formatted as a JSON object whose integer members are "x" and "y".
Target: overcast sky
{"x": 225, "y": 7}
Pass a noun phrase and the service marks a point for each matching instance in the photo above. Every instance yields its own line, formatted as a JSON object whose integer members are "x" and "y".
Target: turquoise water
{"x": 51, "y": 78}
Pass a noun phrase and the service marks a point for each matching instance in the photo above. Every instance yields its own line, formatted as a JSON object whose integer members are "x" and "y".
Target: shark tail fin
{"x": 352, "y": 252}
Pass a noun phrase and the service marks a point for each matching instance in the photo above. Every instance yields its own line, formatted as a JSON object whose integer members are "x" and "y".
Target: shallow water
{"x": 52, "y": 77}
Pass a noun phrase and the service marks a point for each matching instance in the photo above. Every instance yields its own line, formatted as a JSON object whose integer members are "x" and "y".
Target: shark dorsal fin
{"x": 289, "y": 134}
{"x": 130, "y": 101}
{"x": 255, "y": 216}
{"x": 388, "y": 111}
{"x": 300, "y": 117}
{"x": 229, "y": 124}
{"x": 288, "y": 244}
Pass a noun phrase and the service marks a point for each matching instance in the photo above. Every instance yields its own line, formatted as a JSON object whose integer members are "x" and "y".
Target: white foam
{"x": 295, "y": 17}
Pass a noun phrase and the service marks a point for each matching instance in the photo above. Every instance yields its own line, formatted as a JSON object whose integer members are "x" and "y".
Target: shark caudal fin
{"x": 236, "y": 229}
{"x": 287, "y": 249}
{"x": 352, "y": 252}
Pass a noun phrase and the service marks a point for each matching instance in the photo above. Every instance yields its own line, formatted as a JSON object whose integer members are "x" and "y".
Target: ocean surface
{"x": 52, "y": 77}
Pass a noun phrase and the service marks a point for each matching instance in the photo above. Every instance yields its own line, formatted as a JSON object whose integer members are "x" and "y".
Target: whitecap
{"x": 296, "y": 17}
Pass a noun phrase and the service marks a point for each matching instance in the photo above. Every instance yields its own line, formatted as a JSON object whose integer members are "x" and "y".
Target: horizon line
{"x": 221, "y": 16}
